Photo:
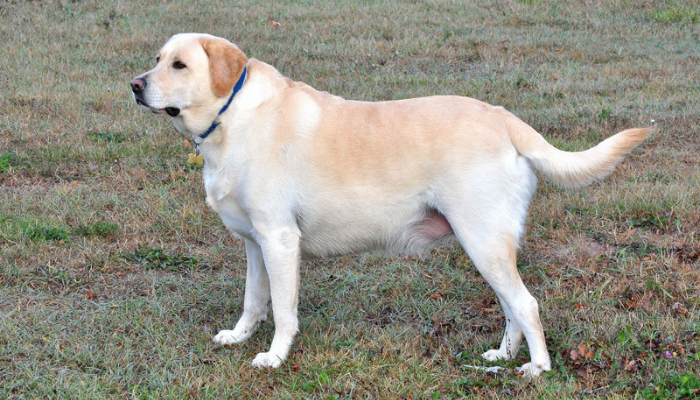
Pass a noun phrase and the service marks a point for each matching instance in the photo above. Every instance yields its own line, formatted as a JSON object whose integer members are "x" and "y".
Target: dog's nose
{"x": 138, "y": 84}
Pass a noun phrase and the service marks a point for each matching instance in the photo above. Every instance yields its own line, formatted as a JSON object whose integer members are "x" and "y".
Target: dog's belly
{"x": 406, "y": 230}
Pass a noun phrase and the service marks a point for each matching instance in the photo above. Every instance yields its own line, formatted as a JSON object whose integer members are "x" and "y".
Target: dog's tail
{"x": 573, "y": 169}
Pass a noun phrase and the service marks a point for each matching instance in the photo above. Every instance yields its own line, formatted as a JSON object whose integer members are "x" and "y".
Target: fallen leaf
{"x": 678, "y": 308}
{"x": 573, "y": 355}
{"x": 441, "y": 328}
{"x": 585, "y": 351}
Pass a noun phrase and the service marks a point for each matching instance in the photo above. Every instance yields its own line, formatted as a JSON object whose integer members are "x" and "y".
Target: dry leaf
{"x": 678, "y": 308}
{"x": 573, "y": 355}
{"x": 584, "y": 351}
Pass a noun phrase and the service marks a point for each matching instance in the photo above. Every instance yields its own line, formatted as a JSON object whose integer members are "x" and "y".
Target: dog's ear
{"x": 226, "y": 62}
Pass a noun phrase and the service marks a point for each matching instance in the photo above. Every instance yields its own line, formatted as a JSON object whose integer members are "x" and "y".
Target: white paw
{"x": 532, "y": 370}
{"x": 229, "y": 337}
{"x": 264, "y": 360}
{"x": 495, "y": 355}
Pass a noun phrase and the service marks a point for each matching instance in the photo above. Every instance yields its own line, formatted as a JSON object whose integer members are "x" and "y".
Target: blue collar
{"x": 216, "y": 122}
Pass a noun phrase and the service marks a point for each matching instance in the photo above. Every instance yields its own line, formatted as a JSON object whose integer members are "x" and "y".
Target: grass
{"x": 114, "y": 275}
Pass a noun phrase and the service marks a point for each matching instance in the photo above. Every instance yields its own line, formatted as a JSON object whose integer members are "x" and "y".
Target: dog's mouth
{"x": 172, "y": 111}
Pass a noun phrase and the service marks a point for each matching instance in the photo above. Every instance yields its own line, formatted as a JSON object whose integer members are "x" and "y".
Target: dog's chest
{"x": 224, "y": 202}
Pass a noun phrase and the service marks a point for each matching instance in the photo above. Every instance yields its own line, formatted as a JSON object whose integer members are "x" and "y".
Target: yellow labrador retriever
{"x": 301, "y": 174}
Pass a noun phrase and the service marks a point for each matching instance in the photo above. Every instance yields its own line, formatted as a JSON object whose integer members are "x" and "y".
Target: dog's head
{"x": 192, "y": 73}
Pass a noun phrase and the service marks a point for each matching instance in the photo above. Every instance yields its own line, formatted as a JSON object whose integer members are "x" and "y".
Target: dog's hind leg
{"x": 487, "y": 213}
{"x": 494, "y": 257}
{"x": 257, "y": 297}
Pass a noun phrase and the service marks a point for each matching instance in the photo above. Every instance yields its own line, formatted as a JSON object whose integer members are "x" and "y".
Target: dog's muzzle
{"x": 138, "y": 86}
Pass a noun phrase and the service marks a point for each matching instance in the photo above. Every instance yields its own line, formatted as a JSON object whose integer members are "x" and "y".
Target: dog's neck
{"x": 198, "y": 139}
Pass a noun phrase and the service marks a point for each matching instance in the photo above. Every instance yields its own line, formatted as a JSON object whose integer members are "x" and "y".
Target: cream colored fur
{"x": 300, "y": 173}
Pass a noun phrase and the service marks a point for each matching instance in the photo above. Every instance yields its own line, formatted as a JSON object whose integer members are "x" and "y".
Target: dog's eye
{"x": 157, "y": 59}
{"x": 179, "y": 65}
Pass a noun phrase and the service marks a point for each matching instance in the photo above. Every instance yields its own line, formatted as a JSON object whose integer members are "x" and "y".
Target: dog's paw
{"x": 533, "y": 370}
{"x": 495, "y": 355}
{"x": 267, "y": 360}
{"x": 230, "y": 337}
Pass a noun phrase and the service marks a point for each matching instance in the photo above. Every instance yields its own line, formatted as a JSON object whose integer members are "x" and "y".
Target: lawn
{"x": 115, "y": 275}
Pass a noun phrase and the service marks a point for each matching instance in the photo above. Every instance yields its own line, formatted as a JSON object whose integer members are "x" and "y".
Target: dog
{"x": 301, "y": 174}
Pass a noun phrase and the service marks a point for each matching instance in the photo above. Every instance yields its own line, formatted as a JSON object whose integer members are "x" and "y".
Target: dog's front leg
{"x": 281, "y": 252}
{"x": 257, "y": 296}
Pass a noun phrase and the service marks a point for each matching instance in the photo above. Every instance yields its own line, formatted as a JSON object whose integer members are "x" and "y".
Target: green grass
{"x": 158, "y": 258}
{"x": 672, "y": 13}
{"x": 115, "y": 275}
{"x": 6, "y": 160}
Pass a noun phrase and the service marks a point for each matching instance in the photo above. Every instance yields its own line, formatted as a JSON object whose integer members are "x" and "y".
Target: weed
{"x": 107, "y": 137}
{"x": 42, "y": 233}
{"x": 99, "y": 229}
{"x": 677, "y": 386}
{"x": 656, "y": 221}
{"x": 159, "y": 258}
{"x": 6, "y": 160}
